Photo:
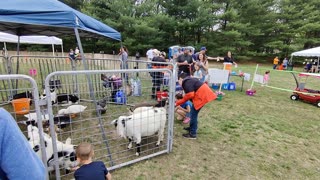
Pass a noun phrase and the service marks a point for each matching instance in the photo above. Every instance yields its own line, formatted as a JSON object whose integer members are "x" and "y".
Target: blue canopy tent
{"x": 49, "y": 17}
{"x": 52, "y": 18}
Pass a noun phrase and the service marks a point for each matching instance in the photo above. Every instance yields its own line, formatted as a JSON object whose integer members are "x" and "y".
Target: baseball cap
{"x": 156, "y": 52}
{"x": 203, "y": 48}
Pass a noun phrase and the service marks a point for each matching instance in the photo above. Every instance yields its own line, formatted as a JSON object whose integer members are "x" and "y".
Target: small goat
{"x": 66, "y": 151}
{"x": 53, "y": 95}
{"x": 141, "y": 124}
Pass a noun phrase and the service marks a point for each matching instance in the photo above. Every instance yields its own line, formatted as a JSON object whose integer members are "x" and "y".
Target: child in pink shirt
{"x": 266, "y": 77}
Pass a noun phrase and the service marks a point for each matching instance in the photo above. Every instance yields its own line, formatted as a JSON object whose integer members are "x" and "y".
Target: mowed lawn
{"x": 265, "y": 136}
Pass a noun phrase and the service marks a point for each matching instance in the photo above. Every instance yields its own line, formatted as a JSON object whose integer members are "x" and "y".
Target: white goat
{"x": 143, "y": 122}
{"x": 73, "y": 109}
{"x": 66, "y": 151}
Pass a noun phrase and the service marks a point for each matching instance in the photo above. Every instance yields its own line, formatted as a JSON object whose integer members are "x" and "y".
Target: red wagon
{"x": 305, "y": 94}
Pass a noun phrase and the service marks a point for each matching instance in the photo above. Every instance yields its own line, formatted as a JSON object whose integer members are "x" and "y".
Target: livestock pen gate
{"x": 91, "y": 125}
{"x": 38, "y": 67}
{"x": 94, "y": 126}
{"x": 24, "y": 106}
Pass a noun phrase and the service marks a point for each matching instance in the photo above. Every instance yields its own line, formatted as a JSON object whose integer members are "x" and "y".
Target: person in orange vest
{"x": 275, "y": 62}
{"x": 157, "y": 77}
{"x": 200, "y": 94}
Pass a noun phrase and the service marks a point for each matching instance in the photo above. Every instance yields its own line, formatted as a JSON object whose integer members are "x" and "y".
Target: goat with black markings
{"x": 66, "y": 151}
{"x": 141, "y": 124}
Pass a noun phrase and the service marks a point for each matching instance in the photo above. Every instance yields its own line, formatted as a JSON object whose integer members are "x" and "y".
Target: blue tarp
{"x": 49, "y": 17}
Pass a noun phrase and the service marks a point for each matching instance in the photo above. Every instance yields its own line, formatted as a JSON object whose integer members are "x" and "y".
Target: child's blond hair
{"x": 84, "y": 151}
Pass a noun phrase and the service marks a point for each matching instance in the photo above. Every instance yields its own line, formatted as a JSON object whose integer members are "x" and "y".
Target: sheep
{"x": 73, "y": 109}
{"x": 66, "y": 151}
{"x": 141, "y": 124}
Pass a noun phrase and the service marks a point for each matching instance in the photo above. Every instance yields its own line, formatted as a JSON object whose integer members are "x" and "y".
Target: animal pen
{"x": 90, "y": 125}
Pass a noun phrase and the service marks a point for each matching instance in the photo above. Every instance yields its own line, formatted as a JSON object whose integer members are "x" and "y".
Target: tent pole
{"x": 92, "y": 94}
{"x": 318, "y": 65}
{"x": 5, "y": 53}
{"x": 52, "y": 49}
{"x": 62, "y": 50}
{"x": 18, "y": 61}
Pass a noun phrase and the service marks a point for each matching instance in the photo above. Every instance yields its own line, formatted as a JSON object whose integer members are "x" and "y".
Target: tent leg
{"x": 92, "y": 95}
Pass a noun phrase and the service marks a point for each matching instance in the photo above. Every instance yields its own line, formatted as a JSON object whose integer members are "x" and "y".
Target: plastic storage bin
{"x": 232, "y": 86}
{"x": 215, "y": 86}
{"x": 225, "y": 86}
{"x": 21, "y": 106}
{"x": 120, "y": 97}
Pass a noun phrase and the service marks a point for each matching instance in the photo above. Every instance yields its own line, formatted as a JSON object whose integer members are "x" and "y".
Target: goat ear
{"x": 114, "y": 121}
{"x": 68, "y": 140}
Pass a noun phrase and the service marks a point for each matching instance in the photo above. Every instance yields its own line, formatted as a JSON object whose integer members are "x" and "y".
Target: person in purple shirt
{"x": 17, "y": 158}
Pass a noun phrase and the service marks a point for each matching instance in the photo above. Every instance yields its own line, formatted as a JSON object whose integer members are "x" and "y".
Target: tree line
{"x": 251, "y": 28}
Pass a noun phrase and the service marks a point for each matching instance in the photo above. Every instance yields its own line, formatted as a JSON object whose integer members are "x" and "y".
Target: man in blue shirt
{"x": 17, "y": 158}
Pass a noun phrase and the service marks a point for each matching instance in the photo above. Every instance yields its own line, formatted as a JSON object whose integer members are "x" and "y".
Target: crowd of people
{"x": 192, "y": 77}
{"x": 278, "y": 65}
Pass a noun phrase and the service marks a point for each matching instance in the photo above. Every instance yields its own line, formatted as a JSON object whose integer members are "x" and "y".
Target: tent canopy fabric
{"x": 10, "y": 38}
{"x": 49, "y": 17}
{"x": 313, "y": 52}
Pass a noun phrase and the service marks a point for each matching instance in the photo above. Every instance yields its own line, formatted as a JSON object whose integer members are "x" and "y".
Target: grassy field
{"x": 265, "y": 136}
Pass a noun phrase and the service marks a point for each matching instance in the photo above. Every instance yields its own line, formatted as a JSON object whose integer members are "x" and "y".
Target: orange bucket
{"x": 21, "y": 106}
{"x": 227, "y": 66}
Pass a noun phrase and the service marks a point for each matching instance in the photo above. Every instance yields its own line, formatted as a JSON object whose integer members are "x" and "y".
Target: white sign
{"x": 258, "y": 78}
{"x": 218, "y": 76}
{"x": 247, "y": 76}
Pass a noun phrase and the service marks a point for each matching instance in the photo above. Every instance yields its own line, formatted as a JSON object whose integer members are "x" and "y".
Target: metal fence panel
{"x": 19, "y": 108}
{"x": 94, "y": 126}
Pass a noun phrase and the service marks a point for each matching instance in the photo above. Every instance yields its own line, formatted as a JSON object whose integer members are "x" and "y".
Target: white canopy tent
{"x": 10, "y": 38}
{"x": 313, "y": 52}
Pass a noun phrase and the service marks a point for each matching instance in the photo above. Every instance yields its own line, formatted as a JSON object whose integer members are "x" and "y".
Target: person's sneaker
{"x": 186, "y": 128}
{"x": 186, "y": 120}
{"x": 189, "y": 136}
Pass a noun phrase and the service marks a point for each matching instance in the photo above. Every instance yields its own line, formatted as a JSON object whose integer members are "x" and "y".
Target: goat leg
{"x": 138, "y": 149}
{"x": 130, "y": 143}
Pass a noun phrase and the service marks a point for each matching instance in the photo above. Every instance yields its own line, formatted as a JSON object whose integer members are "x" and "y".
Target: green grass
{"x": 266, "y": 136}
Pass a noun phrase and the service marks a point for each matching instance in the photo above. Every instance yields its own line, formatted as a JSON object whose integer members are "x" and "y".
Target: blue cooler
{"x": 225, "y": 86}
{"x": 120, "y": 97}
{"x": 232, "y": 86}
{"x": 215, "y": 86}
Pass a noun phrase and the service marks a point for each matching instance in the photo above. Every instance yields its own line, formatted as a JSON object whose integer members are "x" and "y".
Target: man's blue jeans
{"x": 194, "y": 120}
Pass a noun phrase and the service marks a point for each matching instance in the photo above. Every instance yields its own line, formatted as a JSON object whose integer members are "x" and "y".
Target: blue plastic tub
{"x": 232, "y": 86}
{"x": 225, "y": 86}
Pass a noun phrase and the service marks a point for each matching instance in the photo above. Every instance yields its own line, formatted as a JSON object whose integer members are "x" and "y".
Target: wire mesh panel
{"x": 26, "y": 110}
{"x": 40, "y": 66}
{"x": 107, "y": 118}
{"x": 5, "y": 85}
